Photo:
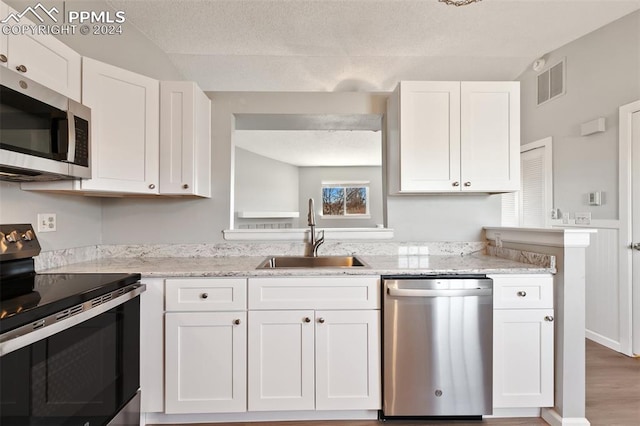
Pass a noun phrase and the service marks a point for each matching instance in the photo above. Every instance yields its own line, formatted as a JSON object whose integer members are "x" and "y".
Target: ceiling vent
{"x": 551, "y": 82}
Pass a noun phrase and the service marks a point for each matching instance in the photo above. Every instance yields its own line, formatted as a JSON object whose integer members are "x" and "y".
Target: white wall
{"x": 78, "y": 218}
{"x": 263, "y": 184}
{"x": 602, "y": 73}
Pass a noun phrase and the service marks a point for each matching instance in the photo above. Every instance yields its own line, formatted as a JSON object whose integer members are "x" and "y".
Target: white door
{"x": 348, "y": 360}
{"x": 522, "y": 358}
{"x": 281, "y": 360}
{"x": 629, "y": 288}
{"x": 205, "y": 362}
{"x": 531, "y": 206}
{"x": 635, "y": 227}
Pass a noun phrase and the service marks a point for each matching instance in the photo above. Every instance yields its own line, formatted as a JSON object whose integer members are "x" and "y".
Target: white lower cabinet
{"x": 306, "y": 360}
{"x": 523, "y": 358}
{"x": 205, "y": 359}
{"x": 523, "y": 333}
{"x": 320, "y": 356}
{"x": 205, "y": 345}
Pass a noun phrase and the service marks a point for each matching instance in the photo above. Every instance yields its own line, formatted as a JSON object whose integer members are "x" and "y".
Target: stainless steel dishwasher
{"x": 437, "y": 337}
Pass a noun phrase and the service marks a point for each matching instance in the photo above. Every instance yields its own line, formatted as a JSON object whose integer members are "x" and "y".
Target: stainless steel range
{"x": 69, "y": 343}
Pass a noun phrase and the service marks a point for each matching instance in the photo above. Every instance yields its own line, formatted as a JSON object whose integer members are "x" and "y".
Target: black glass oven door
{"x": 81, "y": 376}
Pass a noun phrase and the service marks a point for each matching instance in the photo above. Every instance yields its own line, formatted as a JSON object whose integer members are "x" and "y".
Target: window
{"x": 345, "y": 199}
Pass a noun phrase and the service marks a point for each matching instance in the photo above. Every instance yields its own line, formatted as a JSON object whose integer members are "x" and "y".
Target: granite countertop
{"x": 246, "y": 266}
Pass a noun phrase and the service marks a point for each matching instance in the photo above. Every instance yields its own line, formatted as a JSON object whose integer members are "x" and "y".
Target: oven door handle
{"x": 393, "y": 290}
{"x": 47, "y": 327}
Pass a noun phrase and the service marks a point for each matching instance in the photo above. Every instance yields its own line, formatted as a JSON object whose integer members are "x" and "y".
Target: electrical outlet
{"x": 47, "y": 222}
{"x": 498, "y": 240}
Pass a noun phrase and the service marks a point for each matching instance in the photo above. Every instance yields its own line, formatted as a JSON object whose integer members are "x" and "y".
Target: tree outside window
{"x": 345, "y": 200}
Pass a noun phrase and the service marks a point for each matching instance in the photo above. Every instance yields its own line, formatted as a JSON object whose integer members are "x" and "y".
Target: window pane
{"x": 356, "y": 200}
{"x": 333, "y": 201}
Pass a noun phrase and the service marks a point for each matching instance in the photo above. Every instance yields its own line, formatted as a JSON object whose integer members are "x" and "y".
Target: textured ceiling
{"x": 327, "y": 45}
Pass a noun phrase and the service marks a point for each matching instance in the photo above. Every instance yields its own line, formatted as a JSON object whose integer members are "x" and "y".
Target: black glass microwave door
{"x": 32, "y": 127}
{"x": 82, "y": 375}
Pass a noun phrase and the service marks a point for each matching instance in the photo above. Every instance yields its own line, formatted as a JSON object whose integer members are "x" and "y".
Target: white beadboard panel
{"x": 602, "y": 289}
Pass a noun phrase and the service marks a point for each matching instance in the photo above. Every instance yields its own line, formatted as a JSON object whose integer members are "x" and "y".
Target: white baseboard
{"x": 551, "y": 416}
{"x": 514, "y": 412}
{"x": 604, "y": 341}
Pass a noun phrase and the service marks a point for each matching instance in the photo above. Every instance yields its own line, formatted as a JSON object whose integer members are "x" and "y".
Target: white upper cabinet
{"x": 449, "y": 136}
{"x": 41, "y": 58}
{"x": 124, "y": 129}
{"x": 185, "y": 139}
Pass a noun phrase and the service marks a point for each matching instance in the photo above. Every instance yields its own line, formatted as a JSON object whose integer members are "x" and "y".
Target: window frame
{"x": 344, "y": 185}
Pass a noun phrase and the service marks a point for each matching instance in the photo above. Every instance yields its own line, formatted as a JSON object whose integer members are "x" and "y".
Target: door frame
{"x": 629, "y": 296}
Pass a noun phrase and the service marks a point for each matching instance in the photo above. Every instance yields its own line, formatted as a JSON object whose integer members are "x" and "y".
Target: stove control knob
{"x": 12, "y": 237}
{"x": 28, "y": 236}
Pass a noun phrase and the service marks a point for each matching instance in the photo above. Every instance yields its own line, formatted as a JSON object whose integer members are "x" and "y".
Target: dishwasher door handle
{"x": 393, "y": 290}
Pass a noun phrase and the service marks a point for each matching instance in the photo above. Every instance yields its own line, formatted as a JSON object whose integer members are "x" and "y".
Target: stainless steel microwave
{"x": 43, "y": 134}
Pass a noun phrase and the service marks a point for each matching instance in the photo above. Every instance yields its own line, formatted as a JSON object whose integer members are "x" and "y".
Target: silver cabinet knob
{"x": 152, "y": 186}
{"x": 204, "y": 295}
{"x": 21, "y": 68}
{"x": 236, "y": 322}
{"x": 307, "y": 319}
{"x": 185, "y": 186}
{"x": 3, "y": 58}
{"x": 522, "y": 294}
{"x": 455, "y": 184}
{"x": 635, "y": 246}
{"x": 467, "y": 184}
{"x": 321, "y": 320}
{"x": 548, "y": 318}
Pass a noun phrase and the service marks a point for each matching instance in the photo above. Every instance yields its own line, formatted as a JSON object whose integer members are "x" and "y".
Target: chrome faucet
{"x": 313, "y": 244}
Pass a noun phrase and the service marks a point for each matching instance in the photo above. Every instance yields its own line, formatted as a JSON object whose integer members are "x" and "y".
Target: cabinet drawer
{"x": 206, "y": 294}
{"x": 314, "y": 293}
{"x": 522, "y": 291}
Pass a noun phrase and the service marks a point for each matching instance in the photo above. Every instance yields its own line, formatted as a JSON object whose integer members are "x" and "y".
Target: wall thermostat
{"x": 595, "y": 198}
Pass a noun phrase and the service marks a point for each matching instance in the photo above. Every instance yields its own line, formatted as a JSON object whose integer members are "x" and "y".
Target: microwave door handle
{"x": 71, "y": 148}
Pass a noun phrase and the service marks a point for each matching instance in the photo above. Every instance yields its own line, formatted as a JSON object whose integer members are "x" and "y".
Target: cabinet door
{"x": 490, "y": 136}
{"x": 205, "y": 365}
{"x": 42, "y": 58}
{"x": 429, "y": 136}
{"x": 124, "y": 129}
{"x": 348, "y": 360}
{"x": 281, "y": 360}
{"x": 185, "y": 139}
{"x": 522, "y": 358}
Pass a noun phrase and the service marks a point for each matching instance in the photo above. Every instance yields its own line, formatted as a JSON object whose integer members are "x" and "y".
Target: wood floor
{"x": 613, "y": 397}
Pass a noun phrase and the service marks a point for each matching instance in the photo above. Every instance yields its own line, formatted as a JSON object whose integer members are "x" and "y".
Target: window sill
{"x": 302, "y": 234}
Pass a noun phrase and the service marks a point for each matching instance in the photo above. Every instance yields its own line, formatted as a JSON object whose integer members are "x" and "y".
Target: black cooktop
{"x": 30, "y": 297}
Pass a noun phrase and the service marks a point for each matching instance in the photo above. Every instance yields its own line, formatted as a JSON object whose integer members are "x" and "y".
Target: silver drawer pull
{"x": 522, "y": 294}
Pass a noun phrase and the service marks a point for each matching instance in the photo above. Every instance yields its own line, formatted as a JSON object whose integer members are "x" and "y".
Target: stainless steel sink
{"x": 312, "y": 262}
